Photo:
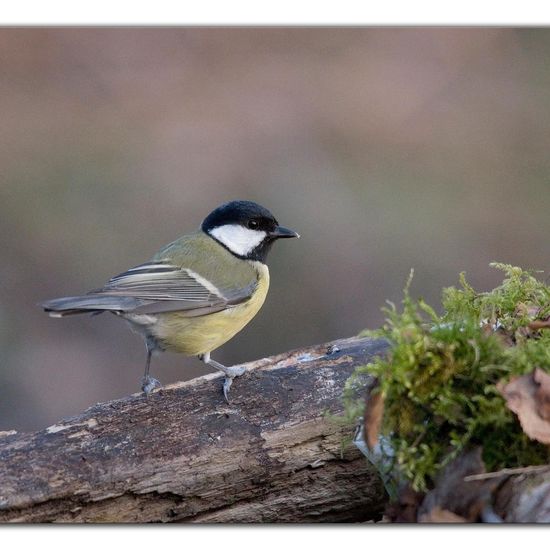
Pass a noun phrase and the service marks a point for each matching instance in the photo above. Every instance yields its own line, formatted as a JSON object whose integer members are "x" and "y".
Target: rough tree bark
{"x": 525, "y": 498}
{"x": 274, "y": 453}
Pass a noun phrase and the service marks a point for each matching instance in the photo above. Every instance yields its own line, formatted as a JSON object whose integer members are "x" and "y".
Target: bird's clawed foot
{"x": 148, "y": 384}
{"x": 230, "y": 374}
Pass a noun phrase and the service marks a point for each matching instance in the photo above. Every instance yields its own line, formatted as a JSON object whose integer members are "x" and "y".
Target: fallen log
{"x": 275, "y": 453}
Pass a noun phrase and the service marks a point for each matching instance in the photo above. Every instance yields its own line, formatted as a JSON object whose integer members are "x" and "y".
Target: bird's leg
{"x": 230, "y": 372}
{"x": 148, "y": 383}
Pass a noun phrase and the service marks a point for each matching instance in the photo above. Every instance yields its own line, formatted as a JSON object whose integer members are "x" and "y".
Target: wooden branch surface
{"x": 525, "y": 498}
{"x": 183, "y": 454}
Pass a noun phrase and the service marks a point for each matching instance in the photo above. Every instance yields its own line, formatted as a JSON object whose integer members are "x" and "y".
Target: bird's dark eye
{"x": 253, "y": 224}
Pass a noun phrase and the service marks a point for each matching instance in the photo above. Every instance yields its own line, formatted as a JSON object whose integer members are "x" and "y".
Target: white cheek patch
{"x": 240, "y": 240}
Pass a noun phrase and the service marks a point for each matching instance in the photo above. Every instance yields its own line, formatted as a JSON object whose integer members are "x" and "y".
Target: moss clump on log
{"x": 439, "y": 383}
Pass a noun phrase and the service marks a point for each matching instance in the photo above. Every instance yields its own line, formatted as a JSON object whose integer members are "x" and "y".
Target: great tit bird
{"x": 197, "y": 292}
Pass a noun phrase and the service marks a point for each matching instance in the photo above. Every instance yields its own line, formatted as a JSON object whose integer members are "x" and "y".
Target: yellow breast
{"x": 198, "y": 335}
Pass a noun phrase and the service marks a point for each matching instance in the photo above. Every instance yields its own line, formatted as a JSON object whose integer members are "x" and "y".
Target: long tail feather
{"x": 71, "y": 305}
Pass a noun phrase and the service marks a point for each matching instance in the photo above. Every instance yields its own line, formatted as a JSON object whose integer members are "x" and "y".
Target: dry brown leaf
{"x": 523, "y": 310}
{"x": 405, "y": 508}
{"x": 452, "y": 494}
{"x": 542, "y": 393}
{"x": 539, "y": 323}
{"x": 440, "y": 515}
{"x": 528, "y": 396}
{"x": 534, "y": 324}
{"x": 374, "y": 411}
{"x": 453, "y": 500}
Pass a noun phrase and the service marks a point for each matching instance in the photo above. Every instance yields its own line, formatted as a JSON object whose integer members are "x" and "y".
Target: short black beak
{"x": 283, "y": 233}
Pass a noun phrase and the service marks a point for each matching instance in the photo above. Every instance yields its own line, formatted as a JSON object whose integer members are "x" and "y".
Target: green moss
{"x": 439, "y": 381}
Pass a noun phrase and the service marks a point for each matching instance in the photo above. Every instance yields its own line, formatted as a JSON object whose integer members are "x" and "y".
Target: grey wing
{"x": 160, "y": 287}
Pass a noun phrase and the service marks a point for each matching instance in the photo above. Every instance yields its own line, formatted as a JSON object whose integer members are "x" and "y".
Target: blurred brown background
{"x": 385, "y": 148}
